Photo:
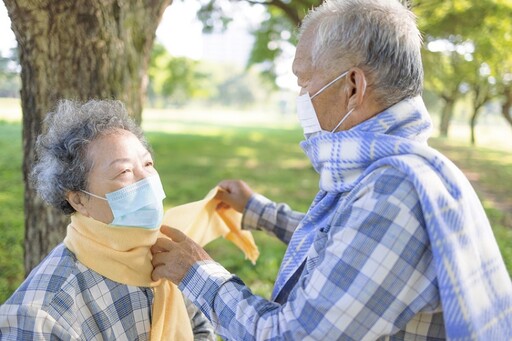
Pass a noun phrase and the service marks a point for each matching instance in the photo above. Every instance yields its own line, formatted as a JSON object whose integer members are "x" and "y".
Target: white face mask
{"x": 307, "y": 115}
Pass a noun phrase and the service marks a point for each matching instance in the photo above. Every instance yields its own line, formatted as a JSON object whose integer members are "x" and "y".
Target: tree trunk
{"x": 474, "y": 116}
{"x": 75, "y": 49}
{"x": 481, "y": 96}
{"x": 507, "y": 104}
{"x": 446, "y": 116}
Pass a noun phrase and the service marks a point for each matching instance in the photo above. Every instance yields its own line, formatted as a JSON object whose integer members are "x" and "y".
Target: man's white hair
{"x": 379, "y": 36}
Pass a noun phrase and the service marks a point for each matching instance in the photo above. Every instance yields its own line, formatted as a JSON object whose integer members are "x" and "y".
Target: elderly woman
{"x": 95, "y": 165}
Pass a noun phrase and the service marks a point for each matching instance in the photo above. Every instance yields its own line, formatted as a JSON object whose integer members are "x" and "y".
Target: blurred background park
{"x": 219, "y": 102}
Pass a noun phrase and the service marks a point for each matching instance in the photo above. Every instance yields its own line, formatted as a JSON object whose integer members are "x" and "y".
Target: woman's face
{"x": 117, "y": 159}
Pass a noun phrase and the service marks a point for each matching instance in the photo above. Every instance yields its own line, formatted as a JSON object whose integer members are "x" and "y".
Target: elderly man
{"x": 396, "y": 244}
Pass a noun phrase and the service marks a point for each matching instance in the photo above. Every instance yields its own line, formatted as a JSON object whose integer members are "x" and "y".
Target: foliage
{"x": 10, "y": 83}
{"x": 177, "y": 78}
{"x": 473, "y": 55}
{"x": 475, "y": 33}
{"x": 276, "y": 30}
{"x": 178, "y": 81}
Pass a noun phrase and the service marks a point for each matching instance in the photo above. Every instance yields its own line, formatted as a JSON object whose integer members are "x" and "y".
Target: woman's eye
{"x": 149, "y": 164}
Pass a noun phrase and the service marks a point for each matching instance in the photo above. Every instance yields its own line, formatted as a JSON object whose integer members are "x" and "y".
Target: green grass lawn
{"x": 192, "y": 156}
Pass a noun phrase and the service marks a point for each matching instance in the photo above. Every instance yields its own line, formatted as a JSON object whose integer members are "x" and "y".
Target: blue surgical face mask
{"x": 307, "y": 115}
{"x": 137, "y": 205}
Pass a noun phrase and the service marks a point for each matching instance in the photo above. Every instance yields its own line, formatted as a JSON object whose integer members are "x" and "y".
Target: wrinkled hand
{"x": 173, "y": 258}
{"x": 235, "y": 194}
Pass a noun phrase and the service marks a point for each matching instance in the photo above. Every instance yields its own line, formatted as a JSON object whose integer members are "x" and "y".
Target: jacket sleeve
{"x": 265, "y": 215}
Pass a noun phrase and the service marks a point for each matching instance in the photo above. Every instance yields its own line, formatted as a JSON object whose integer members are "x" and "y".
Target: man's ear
{"x": 76, "y": 200}
{"x": 356, "y": 82}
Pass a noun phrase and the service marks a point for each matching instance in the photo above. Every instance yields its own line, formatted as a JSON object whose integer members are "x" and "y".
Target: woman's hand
{"x": 173, "y": 258}
{"x": 235, "y": 194}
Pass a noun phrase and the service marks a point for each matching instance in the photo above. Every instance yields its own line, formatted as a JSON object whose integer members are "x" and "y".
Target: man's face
{"x": 329, "y": 104}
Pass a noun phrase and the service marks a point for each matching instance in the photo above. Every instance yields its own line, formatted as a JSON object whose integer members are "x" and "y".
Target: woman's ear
{"x": 77, "y": 200}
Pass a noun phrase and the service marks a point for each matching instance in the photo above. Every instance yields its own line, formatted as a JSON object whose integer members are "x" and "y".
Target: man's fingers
{"x": 162, "y": 245}
{"x": 159, "y": 259}
{"x": 226, "y": 185}
{"x": 175, "y": 234}
{"x": 158, "y": 273}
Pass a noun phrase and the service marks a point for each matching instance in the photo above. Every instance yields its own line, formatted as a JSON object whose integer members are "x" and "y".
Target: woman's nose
{"x": 143, "y": 172}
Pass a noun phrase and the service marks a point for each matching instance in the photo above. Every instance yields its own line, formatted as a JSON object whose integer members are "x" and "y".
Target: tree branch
{"x": 288, "y": 10}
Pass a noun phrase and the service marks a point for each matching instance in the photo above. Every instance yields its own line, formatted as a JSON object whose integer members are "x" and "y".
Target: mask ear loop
{"x": 329, "y": 84}
{"x": 350, "y": 112}
{"x": 343, "y": 120}
{"x": 94, "y": 195}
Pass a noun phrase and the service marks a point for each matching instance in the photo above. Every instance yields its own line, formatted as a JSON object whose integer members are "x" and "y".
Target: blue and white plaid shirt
{"x": 396, "y": 245}
{"x": 373, "y": 279}
{"x": 63, "y": 300}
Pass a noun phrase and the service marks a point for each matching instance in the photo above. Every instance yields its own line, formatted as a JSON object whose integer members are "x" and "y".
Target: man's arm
{"x": 371, "y": 276}
{"x": 264, "y": 214}
{"x": 259, "y": 212}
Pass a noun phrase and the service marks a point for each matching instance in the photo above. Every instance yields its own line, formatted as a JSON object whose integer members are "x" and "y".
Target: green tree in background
{"x": 476, "y": 60}
{"x": 174, "y": 79}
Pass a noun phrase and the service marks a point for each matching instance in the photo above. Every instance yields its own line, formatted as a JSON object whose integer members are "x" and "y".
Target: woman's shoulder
{"x": 48, "y": 278}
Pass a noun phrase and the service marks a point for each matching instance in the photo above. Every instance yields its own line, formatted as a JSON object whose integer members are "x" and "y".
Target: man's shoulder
{"x": 384, "y": 180}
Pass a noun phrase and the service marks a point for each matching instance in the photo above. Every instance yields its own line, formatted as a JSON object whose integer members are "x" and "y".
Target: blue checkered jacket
{"x": 369, "y": 275}
{"x": 63, "y": 300}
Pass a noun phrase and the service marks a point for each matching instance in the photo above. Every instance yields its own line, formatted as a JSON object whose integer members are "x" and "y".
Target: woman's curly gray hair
{"x": 61, "y": 160}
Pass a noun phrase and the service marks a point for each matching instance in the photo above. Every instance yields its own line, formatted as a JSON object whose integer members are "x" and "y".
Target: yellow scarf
{"x": 202, "y": 222}
{"x": 122, "y": 254}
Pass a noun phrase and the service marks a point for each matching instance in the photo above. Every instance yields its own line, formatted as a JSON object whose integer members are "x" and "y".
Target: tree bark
{"x": 472, "y": 124}
{"x": 75, "y": 49}
{"x": 446, "y": 116}
{"x": 481, "y": 96}
{"x": 507, "y": 104}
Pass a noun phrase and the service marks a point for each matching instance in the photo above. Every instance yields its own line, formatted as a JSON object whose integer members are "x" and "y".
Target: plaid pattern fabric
{"x": 277, "y": 219}
{"x": 63, "y": 300}
{"x": 369, "y": 274}
{"x": 465, "y": 253}
{"x": 406, "y": 233}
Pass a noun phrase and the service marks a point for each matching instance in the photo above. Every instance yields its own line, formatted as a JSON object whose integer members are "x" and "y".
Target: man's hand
{"x": 173, "y": 258}
{"x": 235, "y": 194}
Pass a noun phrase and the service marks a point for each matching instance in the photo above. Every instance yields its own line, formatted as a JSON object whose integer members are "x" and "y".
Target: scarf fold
{"x": 474, "y": 285}
{"x": 202, "y": 222}
{"x": 122, "y": 254}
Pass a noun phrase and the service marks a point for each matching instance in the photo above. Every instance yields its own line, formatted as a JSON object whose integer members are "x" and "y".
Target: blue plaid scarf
{"x": 475, "y": 288}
